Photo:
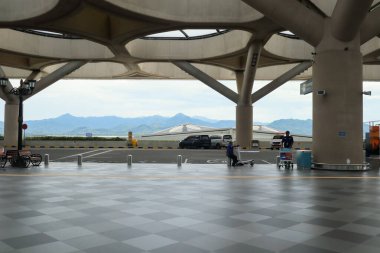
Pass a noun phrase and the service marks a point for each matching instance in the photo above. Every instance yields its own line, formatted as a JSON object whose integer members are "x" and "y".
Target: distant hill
{"x": 295, "y": 126}
{"x": 70, "y": 125}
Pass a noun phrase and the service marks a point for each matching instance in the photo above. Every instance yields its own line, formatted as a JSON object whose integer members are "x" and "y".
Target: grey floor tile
{"x": 326, "y": 222}
{"x": 5, "y": 248}
{"x": 275, "y": 222}
{"x": 89, "y": 241}
{"x": 17, "y": 230}
{"x": 324, "y": 208}
{"x": 50, "y": 226}
{"x": 362, "y": 229}
{"x": 29, "y": 241}
{"x": 237, "y": 235}
{"x": 158, "y": 216}
{"x": 117, "y": 247}
{"x": 56, "y": 247}
{"x": 104, "y": 226}
{"x": 181, "y": 234}
{"x": 181, "y": 221}
{"x": 310, "y": 228}
{"x": 363, "y": 248}
{"x": 270, "y": 243}
{"x": 24, "y": 214}
{"x": 132, "y": 221}
{"x": 329, "y": 243}
{"x": 243, "y": 248}
{"x": 269, "y": 212}
{"x": 207, "y": 227}
{"x": 368, "y": 222}
{"x": 210, "y": 243}
{"x": 300, "y": 248}
{"x": 347, "y": 236}
{"x": 373, "y": 242}
{"x": 290, "y": 235}
{"x": 149, "y": 242}
{"x": 229, "y": 222}
{"x": 259, "y": 228}
{"x": 124, "y": 234}
{"x": 69, "y": 233}
{"x": 155, "y": 227}
{"x": 179, "y": 247}
{"x": 36, "y": 220}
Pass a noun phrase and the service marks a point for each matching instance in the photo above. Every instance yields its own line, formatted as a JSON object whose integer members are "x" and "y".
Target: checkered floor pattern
{"x": 196, "y": 208}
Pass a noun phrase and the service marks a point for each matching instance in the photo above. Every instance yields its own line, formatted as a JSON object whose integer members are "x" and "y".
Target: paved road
{"x": 152, "y": 155}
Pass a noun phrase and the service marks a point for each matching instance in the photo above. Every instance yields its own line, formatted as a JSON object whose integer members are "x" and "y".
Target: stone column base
{"x": 342, "y": 167}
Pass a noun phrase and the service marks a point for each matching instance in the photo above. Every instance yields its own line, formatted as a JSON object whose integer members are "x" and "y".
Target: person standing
{"x": 287, "y": 140}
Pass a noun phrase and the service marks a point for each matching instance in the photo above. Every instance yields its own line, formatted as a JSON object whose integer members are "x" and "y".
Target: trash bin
{"x": 303, "y": 158}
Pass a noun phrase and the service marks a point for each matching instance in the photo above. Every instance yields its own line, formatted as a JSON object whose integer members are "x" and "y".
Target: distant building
{"x": 261, "y": 133}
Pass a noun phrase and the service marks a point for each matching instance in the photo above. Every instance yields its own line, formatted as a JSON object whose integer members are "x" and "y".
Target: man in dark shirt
{"x": 287, "y": 140}
{"x": 230, "y": 153}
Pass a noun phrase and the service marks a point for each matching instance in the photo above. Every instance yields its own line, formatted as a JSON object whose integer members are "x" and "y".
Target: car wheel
{"x": 217, "y": 146}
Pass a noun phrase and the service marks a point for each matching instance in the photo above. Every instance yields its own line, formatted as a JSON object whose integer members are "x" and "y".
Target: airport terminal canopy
{"x": 336, "y": 43}
{"x": 139, "y": 38}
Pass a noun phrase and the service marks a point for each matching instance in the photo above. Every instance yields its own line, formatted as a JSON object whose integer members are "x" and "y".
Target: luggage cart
{"x": 244, "y": 162}
{"x": 286, "y": 158}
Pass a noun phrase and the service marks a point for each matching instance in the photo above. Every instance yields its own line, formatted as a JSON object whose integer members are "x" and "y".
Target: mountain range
{"x": 70, "y": 125}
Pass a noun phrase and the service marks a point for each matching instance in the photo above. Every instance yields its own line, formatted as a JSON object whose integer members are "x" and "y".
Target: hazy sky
{"x": 134, "y": 98}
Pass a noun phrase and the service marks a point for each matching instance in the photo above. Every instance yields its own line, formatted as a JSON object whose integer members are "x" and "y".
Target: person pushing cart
{"x": 286, "y": 155}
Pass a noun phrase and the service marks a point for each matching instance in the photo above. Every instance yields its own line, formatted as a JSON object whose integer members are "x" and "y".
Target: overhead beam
{"x": 279, "y": 81}
{"x": 347, "y": 18}
{"x": 370, "y": 27}
{"x": 34, "y": 75}
{"x": 294, "y": 16}
{"x": 208, "y": 80}
{"x": 4, "y": 92}
{"x": 56, "y": 75}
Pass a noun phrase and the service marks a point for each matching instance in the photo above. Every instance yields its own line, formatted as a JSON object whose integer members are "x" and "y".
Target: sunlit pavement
{"x": 101, "y": 207}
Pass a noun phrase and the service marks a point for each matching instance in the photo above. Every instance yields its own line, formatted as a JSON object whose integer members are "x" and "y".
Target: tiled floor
{"x": 197, "y": 208}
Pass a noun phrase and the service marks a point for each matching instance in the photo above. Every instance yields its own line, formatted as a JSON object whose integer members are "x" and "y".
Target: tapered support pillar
{"x": 244, "y": 119}
{"x": 244, "y": 127}
{"x": 10, "y": 125}
{"x": 338, "y": 115}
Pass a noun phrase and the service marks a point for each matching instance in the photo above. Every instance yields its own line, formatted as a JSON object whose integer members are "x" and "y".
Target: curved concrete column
{"x": 347, "y": 18}
{"x": 10, "y": 125}
{"x": 338, "y": 115}
{"x": 250, "y": 72}
{"x": 244, "y": 122}
{"x": 239, "y": 80}
{"x": 244, "y": 119}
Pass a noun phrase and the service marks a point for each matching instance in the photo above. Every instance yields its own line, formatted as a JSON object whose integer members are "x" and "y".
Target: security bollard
{"x": 79, "y": 160}
{"x": 46, "y": 161}
{"x": 179, "y": 160}
{"x": 129, "y": 160}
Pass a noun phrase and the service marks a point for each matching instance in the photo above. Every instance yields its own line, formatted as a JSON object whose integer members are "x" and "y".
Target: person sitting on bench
{"x": 230, "y": 153}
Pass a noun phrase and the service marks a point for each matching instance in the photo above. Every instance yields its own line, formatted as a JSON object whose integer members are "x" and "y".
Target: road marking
{"x": 92, "y": 151}
{"x": 107, "y": 151}
{"x": 266, "y": 162}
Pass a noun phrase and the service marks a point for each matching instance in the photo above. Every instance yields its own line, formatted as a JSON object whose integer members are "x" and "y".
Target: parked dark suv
{"x": 196, "y": 141}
